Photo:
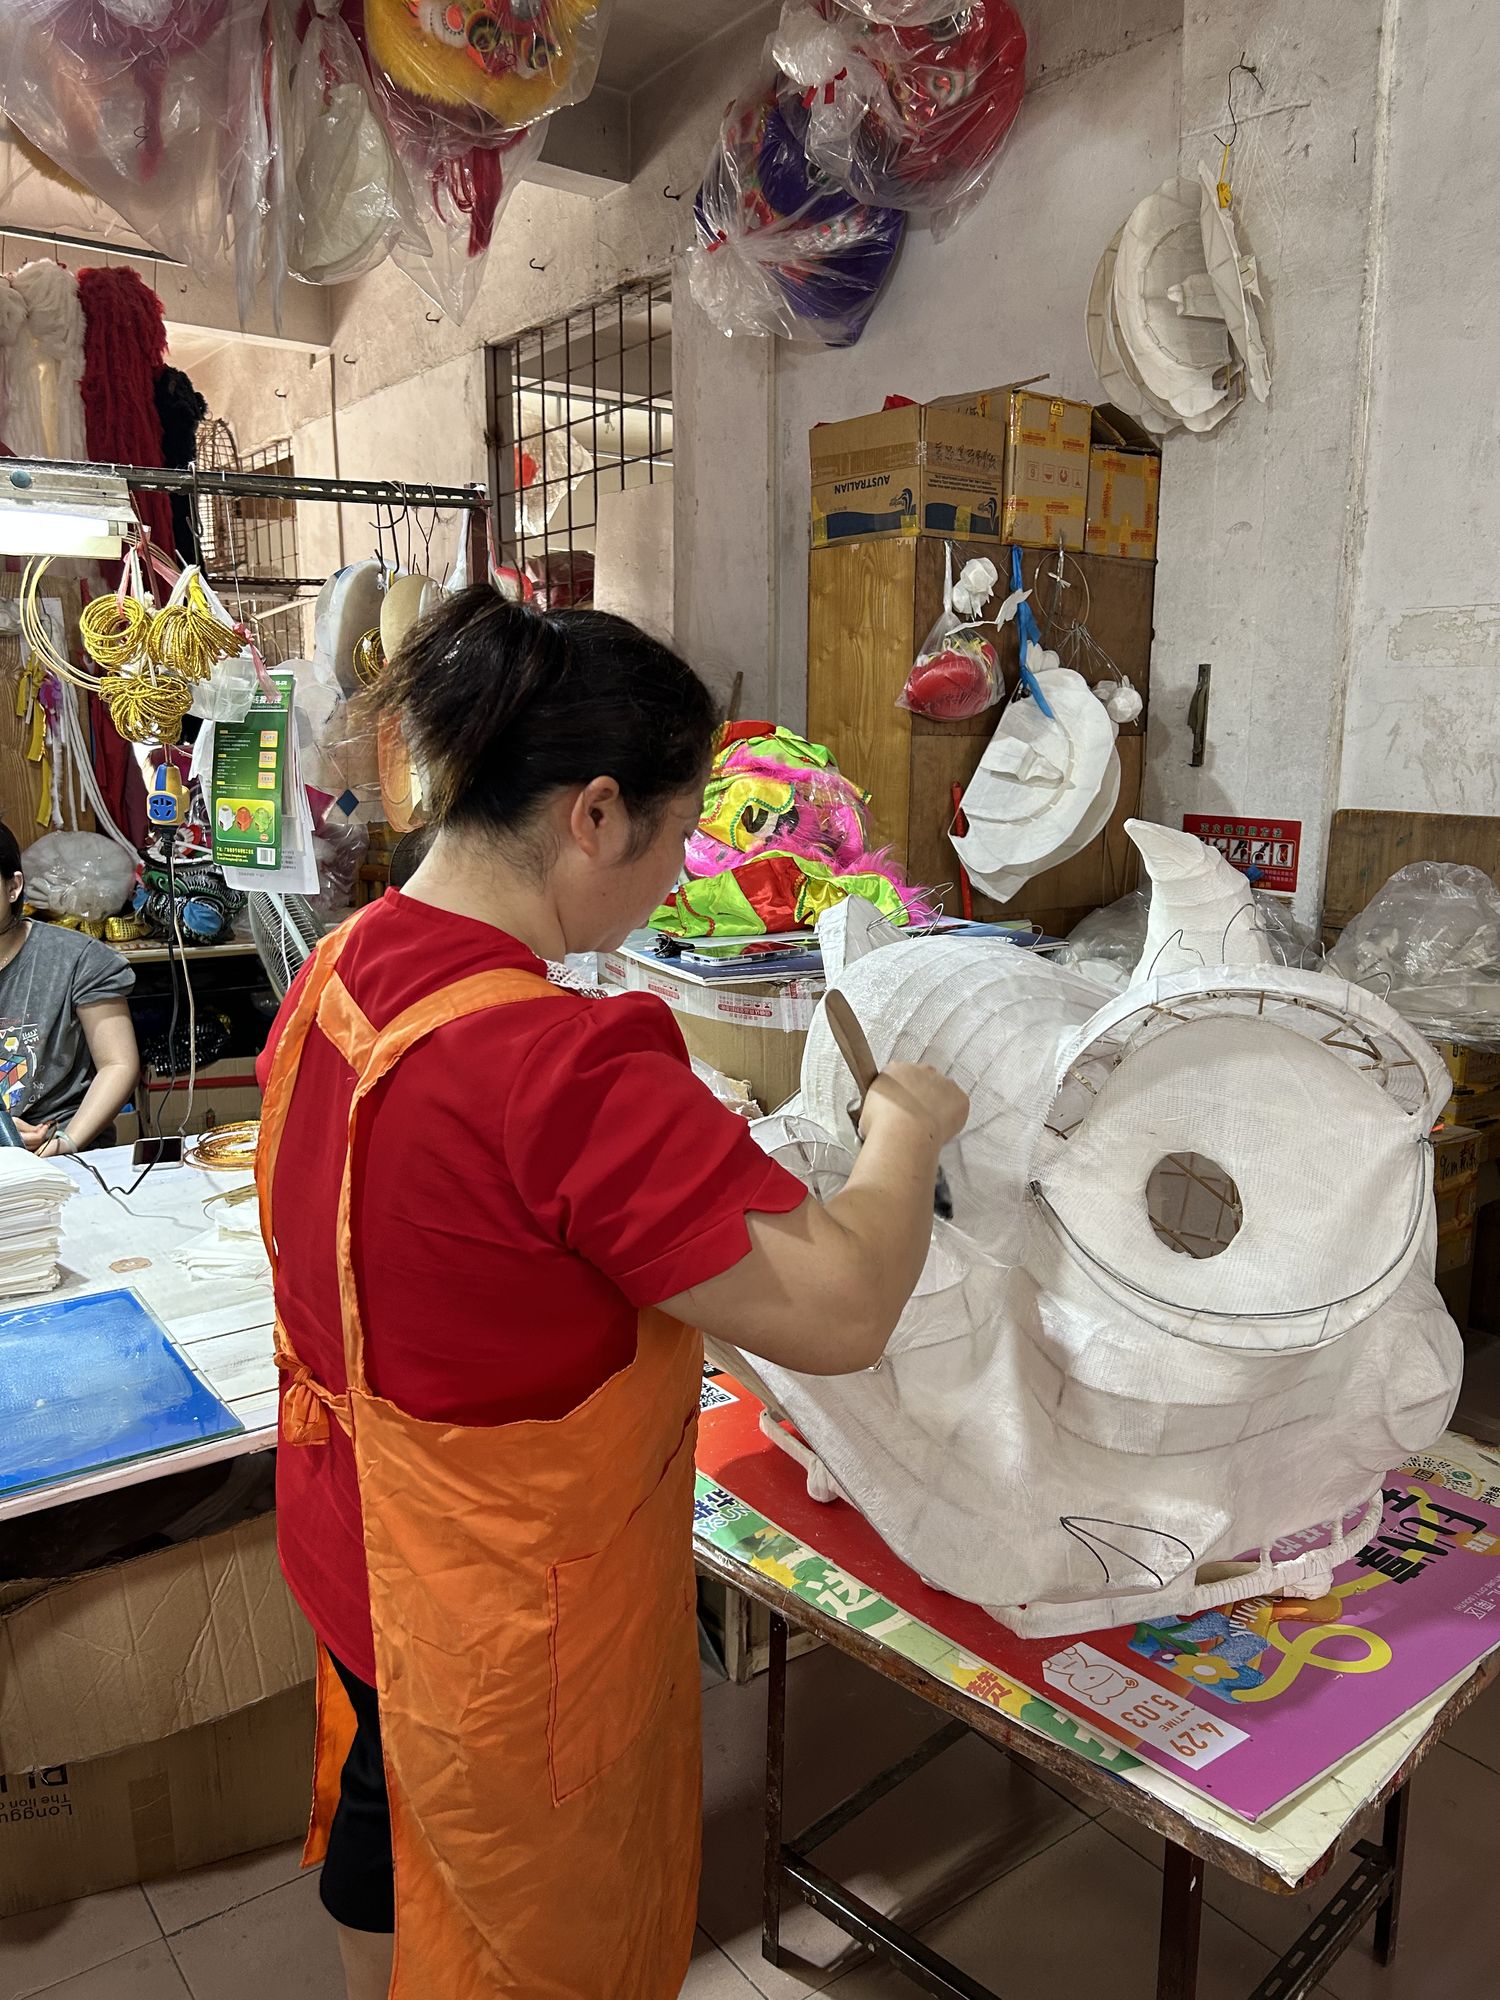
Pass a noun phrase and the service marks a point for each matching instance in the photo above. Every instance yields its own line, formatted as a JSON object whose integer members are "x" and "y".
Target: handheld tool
{"x": 854, "y": 1047}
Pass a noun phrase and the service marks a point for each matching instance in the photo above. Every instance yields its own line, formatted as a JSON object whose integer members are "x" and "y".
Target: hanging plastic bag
{"x": 911, "y": 115}
{"x": 464, "y": 91}
{"x": 957, "y": 674}
{"x": 781, "y": 250}
{"x": 901, "y": 13}
{"x": 346, "y": 189}
{"x": 141, "y": 101}
{"x": 509, "y": 62}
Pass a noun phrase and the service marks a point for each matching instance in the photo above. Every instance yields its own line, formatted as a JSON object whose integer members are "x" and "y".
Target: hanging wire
{"x": 1247, "y": 69}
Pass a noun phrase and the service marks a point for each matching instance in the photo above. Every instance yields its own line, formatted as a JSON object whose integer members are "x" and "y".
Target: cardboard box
{"x": 1124, "y": 487}
{"x": 1474, "y": 1107}
{"x": 1124, "y": 493}
{"x": 1455, "y": 1156}
{"x": 753, "y": 1033}
{"x": 1455, "y": 1249}
{"x": 1457, "y": 1205}
{"x": 133, "y": 1654}
{"x": 153, "y": 1716}
{"x": 1047, "y": 441}
{"x": 224, "y": 1788}
{"x": 1471, "y": 1069}
{"x": 920, "y": 469}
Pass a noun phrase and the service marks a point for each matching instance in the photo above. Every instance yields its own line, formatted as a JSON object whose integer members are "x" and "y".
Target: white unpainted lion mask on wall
{"x": 1185, "y": 1307}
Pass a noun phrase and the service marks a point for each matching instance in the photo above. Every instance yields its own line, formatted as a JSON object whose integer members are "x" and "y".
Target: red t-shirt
{"x": 525, "y": 1180}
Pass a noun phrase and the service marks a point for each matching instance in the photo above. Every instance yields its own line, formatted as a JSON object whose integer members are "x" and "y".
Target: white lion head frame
{"x": 1078, "y": 1422}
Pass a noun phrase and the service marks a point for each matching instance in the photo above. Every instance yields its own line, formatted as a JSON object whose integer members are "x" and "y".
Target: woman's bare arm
{"x": 822, "y": 1288}
{"x": 110, "y": 1034}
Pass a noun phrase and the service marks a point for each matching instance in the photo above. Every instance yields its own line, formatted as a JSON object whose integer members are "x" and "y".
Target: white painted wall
{"x": 1423, "y": 723}
{"x": 1261, "y": 521}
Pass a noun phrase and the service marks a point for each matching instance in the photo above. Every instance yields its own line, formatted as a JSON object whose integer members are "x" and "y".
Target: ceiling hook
{"x": 535, "y": 265}
{"x": 667, "y": 194}
{"x": 433, "y": 319}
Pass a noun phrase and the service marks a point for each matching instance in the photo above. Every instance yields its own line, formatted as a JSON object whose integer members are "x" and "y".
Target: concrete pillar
{"x": 1263, "y": 520}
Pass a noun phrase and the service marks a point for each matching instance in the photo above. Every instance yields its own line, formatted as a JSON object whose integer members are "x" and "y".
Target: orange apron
{"x": 531, "y": 1588}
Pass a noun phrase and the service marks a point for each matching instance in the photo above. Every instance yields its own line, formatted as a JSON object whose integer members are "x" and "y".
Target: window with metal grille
{"x": 578, "y": 409}
{"x": 249, "y": 545}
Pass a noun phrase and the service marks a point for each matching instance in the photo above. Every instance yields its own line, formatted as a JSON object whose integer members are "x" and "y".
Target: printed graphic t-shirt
{"x": 525, "y": 1180}
{"x": 45, "y": 1069}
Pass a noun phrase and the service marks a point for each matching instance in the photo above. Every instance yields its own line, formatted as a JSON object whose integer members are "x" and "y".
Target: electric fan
{"x": 286, "y": 929}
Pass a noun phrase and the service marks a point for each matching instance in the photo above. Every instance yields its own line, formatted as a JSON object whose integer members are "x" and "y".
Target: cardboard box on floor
{"x": 153, "y": 1717}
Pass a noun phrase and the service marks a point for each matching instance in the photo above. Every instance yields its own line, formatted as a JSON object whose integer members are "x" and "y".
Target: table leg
{"x": 770, "y": 1942}
{"x": 1181, "y": 1922}
{"x": 1393, "y": 1840}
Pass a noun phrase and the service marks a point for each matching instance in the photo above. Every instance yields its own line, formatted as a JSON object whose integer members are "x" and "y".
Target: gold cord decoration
{"x": 227, "y": 1149}
{"x": 188, "y": 640}
{"x": 149, "y": 660}
{"x": 112, "y": 629}
{"x": 369, "y": 657}
{"x": 147, "y": 707}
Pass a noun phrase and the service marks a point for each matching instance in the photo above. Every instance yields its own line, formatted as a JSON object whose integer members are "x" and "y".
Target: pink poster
{"x": 1296, "y": 1685}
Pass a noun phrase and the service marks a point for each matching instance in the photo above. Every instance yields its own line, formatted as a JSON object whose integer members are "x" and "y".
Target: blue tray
{"x": 93, "y": 1382}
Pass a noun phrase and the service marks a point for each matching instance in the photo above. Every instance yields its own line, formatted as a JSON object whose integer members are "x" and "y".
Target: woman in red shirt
{"x": 495, "y": 1208}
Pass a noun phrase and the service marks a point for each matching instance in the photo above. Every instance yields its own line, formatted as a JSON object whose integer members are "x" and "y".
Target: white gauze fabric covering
{"x": 1075, "y": 1423}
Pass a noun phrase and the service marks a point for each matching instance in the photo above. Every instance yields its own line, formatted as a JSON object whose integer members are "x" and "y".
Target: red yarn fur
{"x": 124, "y": 346}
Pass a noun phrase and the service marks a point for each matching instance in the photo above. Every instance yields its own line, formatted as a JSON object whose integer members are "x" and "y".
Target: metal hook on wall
{"x": 433, "y": 319}
{"x": 535, "y": 265}
{"x": 668, "y": 195}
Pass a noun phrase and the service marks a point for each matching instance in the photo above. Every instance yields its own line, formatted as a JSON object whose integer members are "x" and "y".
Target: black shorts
{"x": 358, "y": 1884}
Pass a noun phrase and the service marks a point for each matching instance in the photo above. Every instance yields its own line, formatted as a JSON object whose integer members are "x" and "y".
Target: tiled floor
{"x": 1025, "y": 1887}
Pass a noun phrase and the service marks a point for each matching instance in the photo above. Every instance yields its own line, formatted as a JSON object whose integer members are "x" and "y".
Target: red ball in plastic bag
{"x": 954, "y": 684}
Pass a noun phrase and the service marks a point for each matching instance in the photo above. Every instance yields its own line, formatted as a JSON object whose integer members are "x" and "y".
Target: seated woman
{"x": 68, "y": 1059}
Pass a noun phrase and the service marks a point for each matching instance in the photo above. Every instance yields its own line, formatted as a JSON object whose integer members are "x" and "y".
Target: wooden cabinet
{"x": 870, "y": 606}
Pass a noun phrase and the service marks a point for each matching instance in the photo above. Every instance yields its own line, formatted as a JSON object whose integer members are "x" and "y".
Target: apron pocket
{"x": 617, "y": 1640}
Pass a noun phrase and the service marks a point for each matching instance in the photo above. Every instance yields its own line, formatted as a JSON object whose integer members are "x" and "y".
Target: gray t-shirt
{"x": 44, "y": 1059}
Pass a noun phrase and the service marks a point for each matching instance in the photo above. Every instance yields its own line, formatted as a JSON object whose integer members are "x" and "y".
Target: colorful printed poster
{"x": 1301, "y": 1683}
{"x": 246, "y": 792}
{"x": 728, "y": 1524}
{"x": 1249, "y": 1705}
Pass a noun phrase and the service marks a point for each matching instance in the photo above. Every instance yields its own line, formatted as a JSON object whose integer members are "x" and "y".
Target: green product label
{"x": 248, "y": 783}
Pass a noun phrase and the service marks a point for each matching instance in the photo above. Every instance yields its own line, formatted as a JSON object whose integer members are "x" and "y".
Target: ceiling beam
{"x": 587, "y": 148}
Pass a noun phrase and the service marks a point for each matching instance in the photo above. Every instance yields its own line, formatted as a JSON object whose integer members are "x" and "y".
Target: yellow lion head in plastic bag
{"x": 513, "y": 60}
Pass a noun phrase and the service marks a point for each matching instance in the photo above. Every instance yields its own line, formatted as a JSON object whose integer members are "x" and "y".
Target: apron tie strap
{"x": 306, "y": 1403}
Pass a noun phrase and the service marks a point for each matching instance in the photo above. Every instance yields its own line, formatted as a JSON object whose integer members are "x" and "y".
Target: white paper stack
{"x": 32, "y": 1193}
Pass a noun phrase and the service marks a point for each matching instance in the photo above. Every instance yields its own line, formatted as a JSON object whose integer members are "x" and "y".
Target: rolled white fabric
{"x": 54, "y": 321}
{"x": 20, "y": 383}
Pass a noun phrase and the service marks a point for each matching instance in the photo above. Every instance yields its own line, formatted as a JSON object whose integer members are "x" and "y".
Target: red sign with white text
{"x": 1264, "y": 849}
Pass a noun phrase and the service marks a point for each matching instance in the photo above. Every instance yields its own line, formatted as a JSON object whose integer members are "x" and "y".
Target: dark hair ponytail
{"x": 504, "y": 706}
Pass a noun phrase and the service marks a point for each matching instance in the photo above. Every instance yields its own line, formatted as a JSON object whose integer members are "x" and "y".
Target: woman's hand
{"x": 822, "y": 1288}
{"x": 914, "y": 1105}
{"x": 33, "y": 1137}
